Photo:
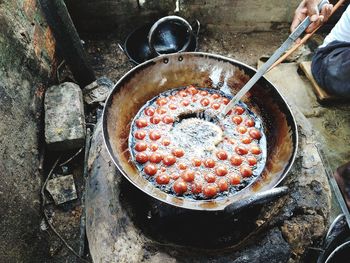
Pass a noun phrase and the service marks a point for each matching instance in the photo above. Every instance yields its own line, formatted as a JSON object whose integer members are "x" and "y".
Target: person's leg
{"x": 331, "y": 68}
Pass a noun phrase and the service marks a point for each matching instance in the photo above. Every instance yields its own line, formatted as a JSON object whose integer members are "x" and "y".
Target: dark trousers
{"x": 331, "y": 68}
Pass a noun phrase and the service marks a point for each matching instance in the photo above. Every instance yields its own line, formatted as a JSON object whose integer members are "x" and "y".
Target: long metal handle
{"x": 264, "y": 68}
{"x": 257, "y": 199}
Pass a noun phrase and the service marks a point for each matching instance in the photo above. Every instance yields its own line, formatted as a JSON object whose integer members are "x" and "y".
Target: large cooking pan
{"x": 204, "y": 70}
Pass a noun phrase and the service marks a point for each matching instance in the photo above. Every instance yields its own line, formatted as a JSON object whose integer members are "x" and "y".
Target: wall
{"x": 235, "y": 15}
{"x": 27, "y": 52}
{"x": 240, "y": 15}
{"x": 101, "y": 16}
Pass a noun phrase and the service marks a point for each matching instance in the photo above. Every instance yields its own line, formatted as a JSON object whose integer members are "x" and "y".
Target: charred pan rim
{"x": 130, "y": 74}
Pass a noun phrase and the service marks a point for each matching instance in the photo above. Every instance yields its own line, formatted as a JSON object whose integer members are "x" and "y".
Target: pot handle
{"x": 256, "y": 199}
{"x": 162, "y": 20}
{"x": 123, "y": 50}
{"x": 198, "y": 26}
{"x": 121, "y": 47}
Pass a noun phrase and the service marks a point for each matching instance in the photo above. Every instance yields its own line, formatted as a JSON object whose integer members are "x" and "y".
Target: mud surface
{"x": 21, "y": 89}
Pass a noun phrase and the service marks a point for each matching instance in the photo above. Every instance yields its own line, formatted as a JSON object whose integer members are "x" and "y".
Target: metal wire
{"x": 71, "y": 158}
{"x": 43, "y": 200}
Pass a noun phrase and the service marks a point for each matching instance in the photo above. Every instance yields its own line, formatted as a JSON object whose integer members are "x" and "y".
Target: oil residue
{"x": 180, "y": 144}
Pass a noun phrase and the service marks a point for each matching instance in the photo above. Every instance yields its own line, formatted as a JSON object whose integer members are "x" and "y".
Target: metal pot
{"x": 170, "y": 34}
{"x": 145, "y": 43}
{"x": 166, "y": 72}
{"x": 336, "y": 244}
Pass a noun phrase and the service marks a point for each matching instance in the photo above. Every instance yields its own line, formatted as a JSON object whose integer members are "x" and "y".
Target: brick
{"x": 64, "y": 117}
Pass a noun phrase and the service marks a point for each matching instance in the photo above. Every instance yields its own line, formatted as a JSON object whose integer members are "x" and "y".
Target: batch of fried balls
{"x": 182, "y": 151}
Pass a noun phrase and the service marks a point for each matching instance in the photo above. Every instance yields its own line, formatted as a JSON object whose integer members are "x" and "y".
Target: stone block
{"x": 64, "y": 117}
{"x": 62, "y": 189}
{"x": 97, "y": 91}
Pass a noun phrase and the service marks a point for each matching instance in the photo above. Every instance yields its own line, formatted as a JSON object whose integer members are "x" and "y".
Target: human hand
{"x": 310, "y": 8}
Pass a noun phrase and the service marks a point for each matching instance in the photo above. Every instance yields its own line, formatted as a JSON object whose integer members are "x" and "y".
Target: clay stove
{"x": 123, "y": 225}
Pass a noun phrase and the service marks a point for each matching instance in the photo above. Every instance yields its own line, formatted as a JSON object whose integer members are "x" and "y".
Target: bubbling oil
{"x": 210, "y": 156}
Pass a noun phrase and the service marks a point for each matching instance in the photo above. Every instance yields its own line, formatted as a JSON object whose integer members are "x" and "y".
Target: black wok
{"x": 138, "y": 49}
{"x": 147, "y": 80}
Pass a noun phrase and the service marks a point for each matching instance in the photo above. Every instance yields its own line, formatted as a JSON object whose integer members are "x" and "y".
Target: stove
{"x": 125, "y": 225}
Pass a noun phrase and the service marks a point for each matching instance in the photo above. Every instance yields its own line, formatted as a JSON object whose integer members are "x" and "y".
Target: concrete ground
{"x": 332, "y": 121}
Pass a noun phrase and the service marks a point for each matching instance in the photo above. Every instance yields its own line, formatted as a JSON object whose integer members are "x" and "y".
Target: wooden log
{"x": 68, "y": 40}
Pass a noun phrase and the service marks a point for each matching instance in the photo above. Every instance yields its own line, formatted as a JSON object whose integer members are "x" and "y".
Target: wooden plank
{"x": 296, "y": 89}
{"x": 322, "y": 95}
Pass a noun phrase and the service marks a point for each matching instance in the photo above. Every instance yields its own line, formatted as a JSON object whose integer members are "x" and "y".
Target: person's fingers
{"x": 323, "y": 17}
{"x": 326, "y": 11}
{"x": 313, "y": 13}
{"x": 300, "y": 15}
{"x": 311, "y": 27}
{"x": 303, "y": 10}
{"x": 314, "y": 18}
{"x": 320, "y": 19}
{"x": 312, "y": 9}
{"x": 296, "y": 21}
{"x": 315, "y": 24}
{"x": 329, "y": 10}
